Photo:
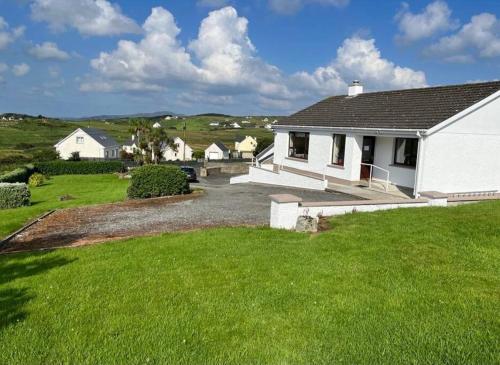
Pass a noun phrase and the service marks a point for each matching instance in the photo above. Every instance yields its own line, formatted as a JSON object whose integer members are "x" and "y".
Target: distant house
{"x": 130, "y": 146}
{"x": 89, "y": 143}
{"x": 217, "y": 151}
{"x": 157, "y": 125}
{"x": 265, "y": 120}
{"x": 245, "y": 122}
{"x": 182, "y": 152}
{"x": 168, "y": 117}
{"x": 268, "y": 126}
{"x": 235, "y": 125}
{"x": 214, "y": 124}
{"x": 245, "y": 146}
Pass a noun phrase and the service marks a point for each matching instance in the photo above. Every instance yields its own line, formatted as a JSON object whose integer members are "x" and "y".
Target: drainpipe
{"x": 420, "y": 152}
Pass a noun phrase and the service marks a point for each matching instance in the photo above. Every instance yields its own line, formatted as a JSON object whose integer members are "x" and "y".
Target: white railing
{"x": 371, "y": 175}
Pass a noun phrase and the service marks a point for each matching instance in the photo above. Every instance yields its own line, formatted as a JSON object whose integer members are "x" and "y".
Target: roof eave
{"x": 381, "y": 131}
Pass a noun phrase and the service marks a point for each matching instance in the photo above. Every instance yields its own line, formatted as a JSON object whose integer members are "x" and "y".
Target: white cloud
{"x": 221, "y": 66}
{"x": 288, "y": 7}
{"x": 436, "y": 17}
{"x": 48, "y": 51}
{"x": 8, "y": 35}
{"x": 89, "y": 17}
{"x": 20, "y": 69}
{"x": 480, "y": 37}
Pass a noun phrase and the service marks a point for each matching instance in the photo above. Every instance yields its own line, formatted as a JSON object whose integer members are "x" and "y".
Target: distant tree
{"x": 262, "y": 144}
{"x": 150, "y": 141}
{"x": 199, "y": 154}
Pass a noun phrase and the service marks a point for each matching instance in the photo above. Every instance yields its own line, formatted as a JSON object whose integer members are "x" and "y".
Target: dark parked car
{"x": 190, "y": 173}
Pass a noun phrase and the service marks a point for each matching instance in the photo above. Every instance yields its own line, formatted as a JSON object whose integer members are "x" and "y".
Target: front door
{"x": 367, "y": 156}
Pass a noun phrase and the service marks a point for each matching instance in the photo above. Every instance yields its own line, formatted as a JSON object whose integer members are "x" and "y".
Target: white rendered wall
{"x": 384, "y": 152}
{"x": 170, "y": 154}
{"x": 220, "y": 154}
{"x": 465, "y": 155}
{"x": 88, "y": 149}
{"x": 320, "y": 154}
{"x": 283, "y": 178}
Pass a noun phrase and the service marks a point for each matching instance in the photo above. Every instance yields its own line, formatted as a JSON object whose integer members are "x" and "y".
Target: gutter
{"x": 377, "y": 131}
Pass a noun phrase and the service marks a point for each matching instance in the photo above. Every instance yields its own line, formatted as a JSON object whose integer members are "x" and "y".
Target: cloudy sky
{"x": 88, "y": 57}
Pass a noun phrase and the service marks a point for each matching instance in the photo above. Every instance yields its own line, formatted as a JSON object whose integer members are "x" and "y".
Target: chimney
{"x": 355, "y": 88}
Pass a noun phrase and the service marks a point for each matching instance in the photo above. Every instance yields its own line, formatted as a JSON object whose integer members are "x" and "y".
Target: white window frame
{"x": 80, "y": 140}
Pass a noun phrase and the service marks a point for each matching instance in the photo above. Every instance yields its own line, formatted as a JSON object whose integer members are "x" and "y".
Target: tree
{"x": 150, "y": 141}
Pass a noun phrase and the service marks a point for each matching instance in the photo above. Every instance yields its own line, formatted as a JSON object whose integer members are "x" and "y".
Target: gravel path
{"x": 221, "y": 204}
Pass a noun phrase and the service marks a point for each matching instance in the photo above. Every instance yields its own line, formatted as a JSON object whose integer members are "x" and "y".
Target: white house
{"x": 131, "y": 145}
{"x": 268, "y": 126}
{"x": 182, "y": 152}
{"x": 89, "y": 143}
{"x": 217, "y": 151}
{"x": 235, "y": 125}
{"x": 157, "y": 125}
{"x": 214, "y": 124}
{"x": 444, "y": 139}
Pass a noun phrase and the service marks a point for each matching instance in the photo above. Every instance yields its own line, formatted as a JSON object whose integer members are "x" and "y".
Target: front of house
{"x": 444, "y": 139}
{"x": 245, "y": 146}
{"x": 90, "y": 143}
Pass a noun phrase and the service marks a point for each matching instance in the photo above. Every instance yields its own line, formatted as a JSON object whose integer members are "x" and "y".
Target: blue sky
{"x": 88, "y": 57}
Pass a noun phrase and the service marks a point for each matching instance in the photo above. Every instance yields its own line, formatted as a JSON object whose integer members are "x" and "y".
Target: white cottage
{"x": 89, "y": 143}
{"x": 217, "y": 151}
{"x": 182, "y": 152}
{"x": 444, "y": 139}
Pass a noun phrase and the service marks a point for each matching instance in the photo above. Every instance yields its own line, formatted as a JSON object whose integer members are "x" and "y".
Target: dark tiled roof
{"x": 101, "y": 137}
{"x": 221, "y": 146}
{"x": 401, "y": 109}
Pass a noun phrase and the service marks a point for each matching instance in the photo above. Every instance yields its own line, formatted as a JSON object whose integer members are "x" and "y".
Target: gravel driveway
{"x": 221, "y": 204}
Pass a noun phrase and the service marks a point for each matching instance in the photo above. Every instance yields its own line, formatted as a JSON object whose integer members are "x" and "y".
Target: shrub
{"x": 60, "y": 167}
{"x": 45, "y": 155}
{"x": 75, "y": 156}
{"x": 152, "y": 181}
{"x": 36, "y": 179}
{"x": 124, "y": 155}
{"x": 19, "y": 175}
{"x": 14, "y": 195}
{"x": 199, "y": 154}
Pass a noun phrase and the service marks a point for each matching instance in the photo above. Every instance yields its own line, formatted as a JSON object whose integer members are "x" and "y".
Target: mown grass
{"x": 396, "y": 287}
{"x": 85, "y": 189}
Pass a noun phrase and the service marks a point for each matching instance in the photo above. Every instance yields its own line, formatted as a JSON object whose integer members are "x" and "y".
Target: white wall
{"x": 89, "y": 149}
{"x": 464, "y": 156}
{"x": 320, "y": 155}
{"x": 220, "y": 154}
{"x": 173, "y": 155}
{"x": 283, "y": 178}
{"x": 384, "y": 155}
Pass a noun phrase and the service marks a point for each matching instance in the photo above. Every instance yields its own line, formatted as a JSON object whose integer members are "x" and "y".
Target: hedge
{"x": 60, "y": 167}
{"x": 19, "y": 175}
{"x": 14, "y": 195}
{"x": 152, "y": 181}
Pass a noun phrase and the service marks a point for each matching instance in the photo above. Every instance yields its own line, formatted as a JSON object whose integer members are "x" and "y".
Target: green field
{"x": 85, "y": 189}
{"x": 21, "y": 141}
{"x": 407, "y": 286}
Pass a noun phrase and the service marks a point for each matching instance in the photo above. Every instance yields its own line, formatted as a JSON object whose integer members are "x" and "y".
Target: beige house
{"x": 245, "y": 146}
{"x": 89, "y": 143}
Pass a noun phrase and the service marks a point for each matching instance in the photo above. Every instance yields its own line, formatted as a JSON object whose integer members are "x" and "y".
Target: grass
{"x": 403, "y": 286}
{"x": 86, "y": 189}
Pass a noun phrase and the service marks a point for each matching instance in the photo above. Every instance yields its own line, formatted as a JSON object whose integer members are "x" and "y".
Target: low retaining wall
{"x": 281, "y": 178}
{"x": 286, "y": 208}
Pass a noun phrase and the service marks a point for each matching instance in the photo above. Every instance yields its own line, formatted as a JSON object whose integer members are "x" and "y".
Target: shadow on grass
{"x": 14, "y": 300}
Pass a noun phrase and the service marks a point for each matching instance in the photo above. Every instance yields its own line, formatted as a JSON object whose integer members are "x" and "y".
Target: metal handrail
{"x": 371, "y": 174}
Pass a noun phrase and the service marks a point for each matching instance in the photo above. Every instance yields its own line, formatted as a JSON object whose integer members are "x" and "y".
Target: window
{"x": 405, "y": 152}
{"x": 113, "y": 153}
{"x": 107, "y": 154}
{"x": 298, "y": 146}
{"x": 338, "y": 150}
{"x": 79, "y": 140}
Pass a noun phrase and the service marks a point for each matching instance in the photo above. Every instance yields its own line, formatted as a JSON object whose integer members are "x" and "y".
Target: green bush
{"x": 19, "y": 175}
{"x": 60, "y": 167}
{"x": 14, "y": 195}
{"x": 36, "y": 179}
{"x": 153, "y": 181}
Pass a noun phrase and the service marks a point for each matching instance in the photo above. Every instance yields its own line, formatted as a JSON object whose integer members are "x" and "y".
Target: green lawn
{"x": 404, "y": 286}
{"x": 86, "y": 189}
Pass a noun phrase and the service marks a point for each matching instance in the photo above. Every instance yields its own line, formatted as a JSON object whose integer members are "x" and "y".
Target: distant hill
{"x": 125, "y": 116}
{"x": 217, "y": 115}
{"x": 19, "y": 116}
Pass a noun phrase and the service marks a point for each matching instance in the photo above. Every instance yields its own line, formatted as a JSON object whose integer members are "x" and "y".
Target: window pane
{"x": 406, "y": 150}
{"x": 338, "y": 151}
{"x": 298, "y": 146}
